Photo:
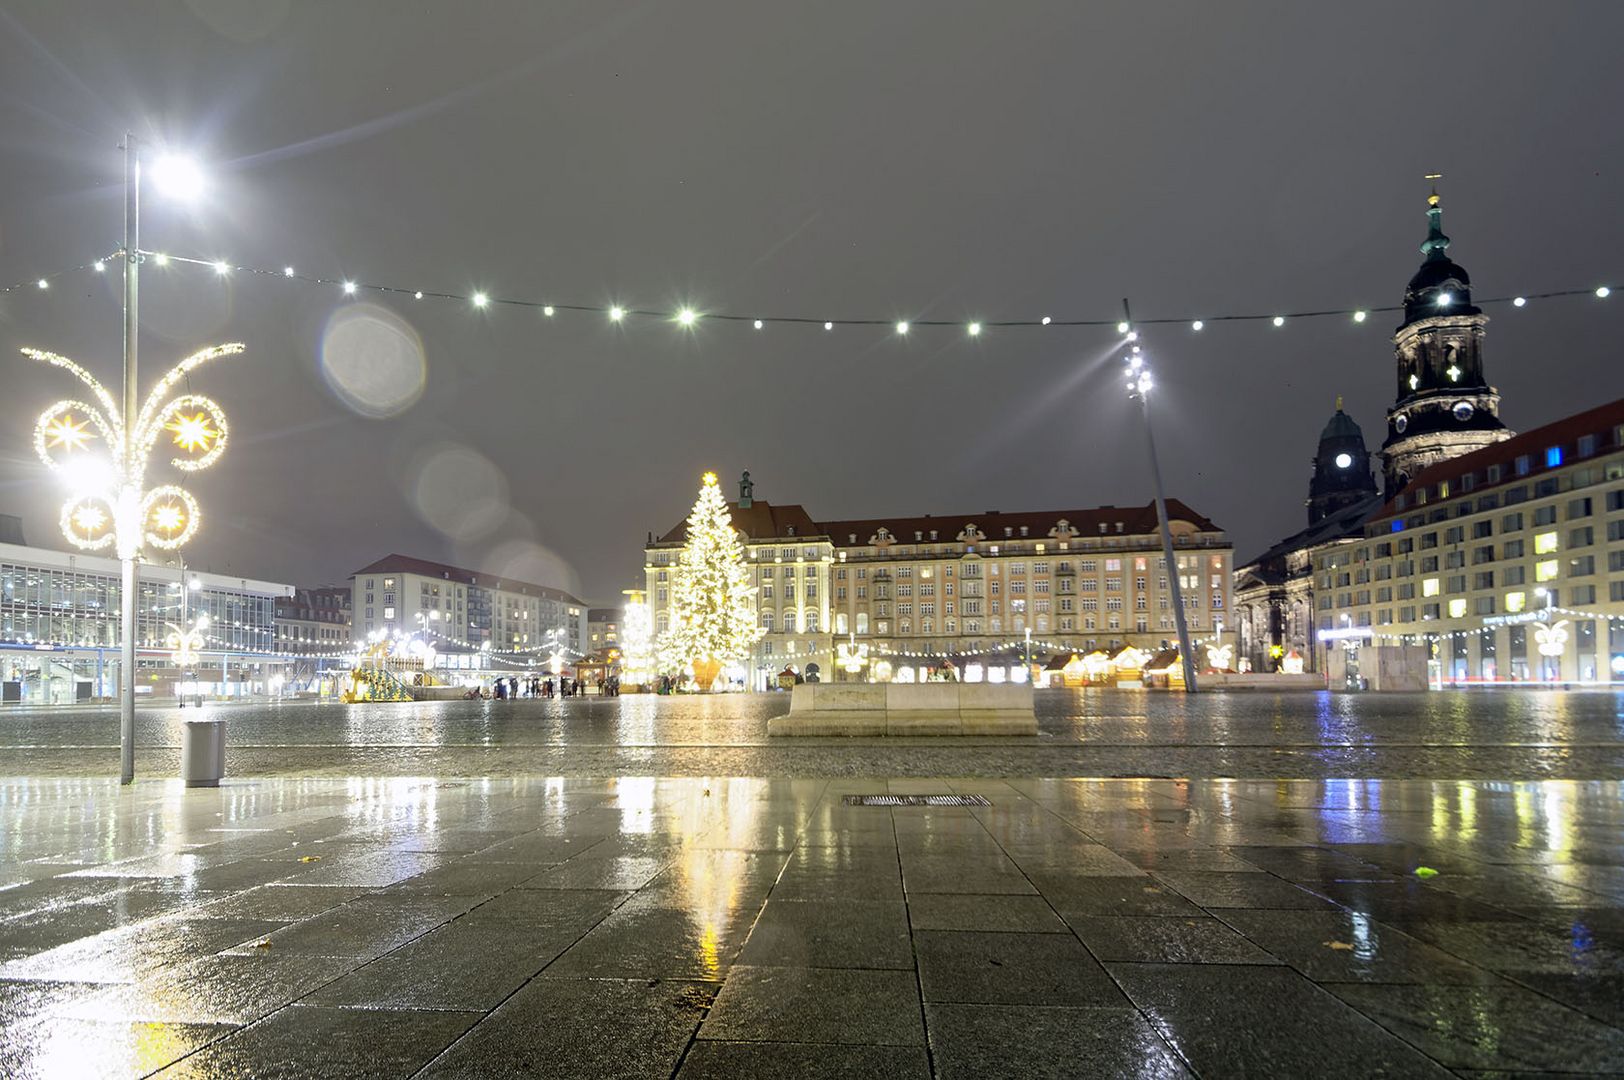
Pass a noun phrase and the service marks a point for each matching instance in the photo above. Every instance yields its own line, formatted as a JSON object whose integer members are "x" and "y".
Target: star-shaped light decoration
{"x": 1551, "y": 638}
{"x": 68, "y": 433}
{"x": 193, "y": 432}
{"x": 1454, "y": 373}
{"x": 851, "y": 656}
{"x": 90, "y": 519}
{"x": 169, "y": 518}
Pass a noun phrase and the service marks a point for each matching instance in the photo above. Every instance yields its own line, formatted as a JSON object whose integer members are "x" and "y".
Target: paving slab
{"x": 820, "y": 1005}
{"x": 305, "y": 1041}
{"x": 1010, "y": 968}
{"x": 1004, "y": 1042}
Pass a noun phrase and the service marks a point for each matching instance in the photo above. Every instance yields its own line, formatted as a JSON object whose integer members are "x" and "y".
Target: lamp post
{"x": 1139, "y": 384}
{"x": 111, "y": 505}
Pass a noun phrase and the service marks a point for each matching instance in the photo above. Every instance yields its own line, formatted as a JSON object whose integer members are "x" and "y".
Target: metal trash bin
{"x": 202, "y": 752}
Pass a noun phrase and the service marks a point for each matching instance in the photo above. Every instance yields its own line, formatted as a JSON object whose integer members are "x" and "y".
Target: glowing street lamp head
{"x": 177, "y": 176}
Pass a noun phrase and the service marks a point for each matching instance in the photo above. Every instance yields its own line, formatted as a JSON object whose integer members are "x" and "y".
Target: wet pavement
{"x": 1528, "y": 734}
{"x": 750, "y": 927}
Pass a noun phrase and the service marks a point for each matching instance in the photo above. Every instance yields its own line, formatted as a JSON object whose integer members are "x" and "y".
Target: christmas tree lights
{"x": 712, "y": 608}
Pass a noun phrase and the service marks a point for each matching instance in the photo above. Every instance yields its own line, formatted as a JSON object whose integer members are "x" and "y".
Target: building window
{"x": 1553, "y": 456}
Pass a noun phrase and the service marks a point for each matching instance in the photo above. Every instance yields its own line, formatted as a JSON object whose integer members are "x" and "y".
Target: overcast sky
{"x": 885, "y": 160}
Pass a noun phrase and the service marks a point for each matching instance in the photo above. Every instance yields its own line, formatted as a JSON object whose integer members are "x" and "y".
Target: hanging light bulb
{"x": 1279, "y": 320}
{"x": 349, "y": 288}
{"x": 975, "y": 329}
{"x": 480, "y": 299}
{"x": 1197, "y": 325}
{"x": 686, "y": 316}
{"x": 548, "y": 311}
{"x": 1359, "y": 316}
{"x": 1046, "y": 320}
{"x": 617, "y": 313}
{"x": 902, "y": 328}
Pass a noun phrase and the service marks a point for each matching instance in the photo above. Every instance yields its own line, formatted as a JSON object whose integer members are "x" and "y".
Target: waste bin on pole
{"x": 203, "y": 752}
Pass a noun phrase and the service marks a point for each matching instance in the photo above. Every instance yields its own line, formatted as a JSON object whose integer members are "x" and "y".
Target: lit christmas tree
{"x": 636, "y": 639}
{"x": 712, "y": 608}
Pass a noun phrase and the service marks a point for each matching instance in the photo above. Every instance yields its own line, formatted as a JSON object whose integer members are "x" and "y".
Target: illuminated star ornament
{"x": 112, "y": 505}
{"x": 193, "y": 432}
{"x": 68, "y": 433}
{"x": 851, "y": 655}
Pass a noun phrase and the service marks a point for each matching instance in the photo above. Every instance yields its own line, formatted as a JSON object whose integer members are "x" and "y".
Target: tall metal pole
{"x": 1186, "y": 657}
{"x": 129, "y": 544}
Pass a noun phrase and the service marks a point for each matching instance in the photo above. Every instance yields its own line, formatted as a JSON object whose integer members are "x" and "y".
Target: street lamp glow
{"x": 221, "y": 267}
{"x": 617, "y": 313}
{"x": 177, "y": 177}
{"x": 161, "y": 259}
{"x": 480, "y": 299}
{"x": 975, "y": 329}
{"x": 100, "y": 266}
{"x": 686, "y": 316}
{"x": 902, "y": 328}
{"x": 349, "y": 288}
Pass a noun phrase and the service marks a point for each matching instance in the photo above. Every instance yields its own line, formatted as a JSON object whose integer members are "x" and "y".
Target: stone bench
{"x": 942, "y": 708}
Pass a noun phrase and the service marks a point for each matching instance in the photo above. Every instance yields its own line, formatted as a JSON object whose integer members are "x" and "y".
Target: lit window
{"x": 1544, "y": 543}
{"x": 1516, "y": 601}
{"x": 1457, "y": 608}
{"x": 1553, "y": 456}
{"x": 1545, "y": 570}
{"x": 1429, "y": 587}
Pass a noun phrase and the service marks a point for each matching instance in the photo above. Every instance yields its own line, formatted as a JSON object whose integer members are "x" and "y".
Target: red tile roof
{"x": 763, "y": 521}
{"x": 1601, "y": 421}
{"x": 1135, "y": 521}
{"x": 758, "y": 521}
{"x": 406, "y": 564}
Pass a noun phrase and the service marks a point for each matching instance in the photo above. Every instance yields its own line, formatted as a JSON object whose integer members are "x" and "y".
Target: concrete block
{"x": 922, "y": 722}
{"x": 846, "y": 697}
{"x": 922, "y": 697}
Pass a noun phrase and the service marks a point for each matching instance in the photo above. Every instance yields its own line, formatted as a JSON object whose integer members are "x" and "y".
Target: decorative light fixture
{"x": 1197, "y": 325}
{"x": 1359, "y": 316}
{"x": 975, "y": 329}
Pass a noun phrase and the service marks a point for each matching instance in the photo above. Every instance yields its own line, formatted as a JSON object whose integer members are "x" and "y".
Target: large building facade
{"x": 59, "y": 628}
{"x": 969, "y": 587}
{"x": 401, "y": 595}
{"x": 1507, "y": 562}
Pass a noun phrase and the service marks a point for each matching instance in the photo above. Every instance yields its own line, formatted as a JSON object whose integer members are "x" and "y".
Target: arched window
{"x": 766, "y": 621}
{"x": 789, "y": 622}
{"x": 862, "y": 622}
{"x": 840, "y": 622}
{"x": 811, "y": 621}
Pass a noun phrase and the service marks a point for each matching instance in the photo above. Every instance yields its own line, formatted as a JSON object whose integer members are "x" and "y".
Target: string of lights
{"x": 44, "y": 282}
{"x": 689, "y": 317}
{"x": 1532, "y": 617}
{"x": 1016, "y": 645}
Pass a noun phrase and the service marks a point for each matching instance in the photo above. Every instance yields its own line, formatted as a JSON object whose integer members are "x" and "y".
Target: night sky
{"x": 877, "y": 160}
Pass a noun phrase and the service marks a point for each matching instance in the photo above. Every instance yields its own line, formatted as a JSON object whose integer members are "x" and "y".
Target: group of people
{"x": 511, "y": 687}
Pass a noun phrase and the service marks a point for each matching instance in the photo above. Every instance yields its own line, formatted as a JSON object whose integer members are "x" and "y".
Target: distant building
{"x": 968, "y": 586}
{"x": 316, "y": 620}
{"x": 402, "y": 595}
{"x": 59, "y": 628}
{"x": 1507, "y": 562}
{"x": 1274, "y": 592}
{"x": 1443, "y": 408}
{"x": 602, "y": 628}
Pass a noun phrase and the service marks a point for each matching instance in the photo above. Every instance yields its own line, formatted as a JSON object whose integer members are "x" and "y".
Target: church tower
{"x": 1342, "y": 474}
{"x": 1444, "y": 407}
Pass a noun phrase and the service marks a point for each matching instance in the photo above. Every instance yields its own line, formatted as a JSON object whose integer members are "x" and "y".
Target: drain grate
{"x": 916, "y": 800}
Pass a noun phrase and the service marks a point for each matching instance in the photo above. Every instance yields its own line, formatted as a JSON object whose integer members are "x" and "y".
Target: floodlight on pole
{"x": 1139, "y": 386}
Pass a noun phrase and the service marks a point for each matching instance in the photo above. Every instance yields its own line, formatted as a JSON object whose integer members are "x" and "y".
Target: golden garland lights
{"x": 111, "y": 505}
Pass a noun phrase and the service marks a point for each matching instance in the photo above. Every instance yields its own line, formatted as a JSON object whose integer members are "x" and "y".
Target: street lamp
{"x": 1139, "y": 384}
{"x": 111, "y": 505}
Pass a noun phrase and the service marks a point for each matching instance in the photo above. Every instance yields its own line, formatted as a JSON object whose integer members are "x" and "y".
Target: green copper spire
{"x": 1436, "y": 242}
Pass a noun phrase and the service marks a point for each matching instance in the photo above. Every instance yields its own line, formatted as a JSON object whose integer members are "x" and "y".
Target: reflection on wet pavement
{"x": 750, "y": 927}
{"x": 1512, "y": 734}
